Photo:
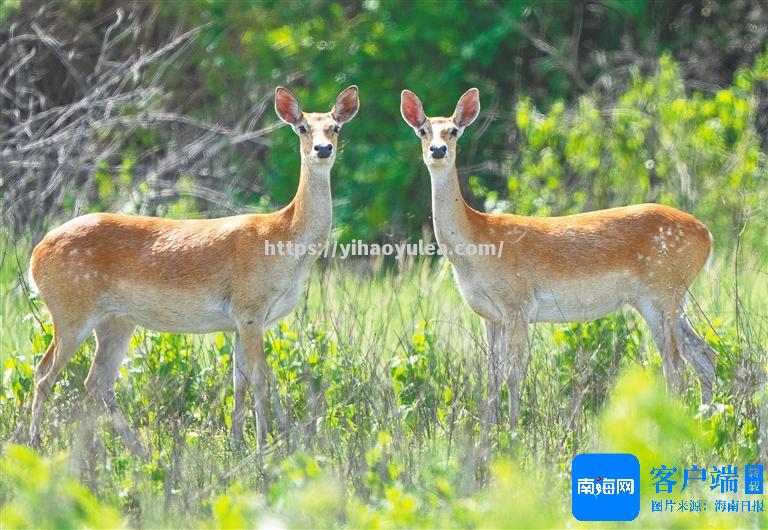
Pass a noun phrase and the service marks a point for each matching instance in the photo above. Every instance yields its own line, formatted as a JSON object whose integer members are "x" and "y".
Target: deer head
{"x": 318, "y": 131}
{"x": 439, "y": 135}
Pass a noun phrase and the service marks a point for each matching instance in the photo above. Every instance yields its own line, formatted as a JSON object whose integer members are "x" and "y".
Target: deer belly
{"x": 175, "y": 311}
{"x": 581, "y": 299}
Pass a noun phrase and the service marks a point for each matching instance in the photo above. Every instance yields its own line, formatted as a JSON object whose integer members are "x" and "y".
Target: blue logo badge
{"x": 605, "y": 487}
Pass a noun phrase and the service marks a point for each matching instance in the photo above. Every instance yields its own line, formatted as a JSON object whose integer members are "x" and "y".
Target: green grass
{"x": 382, "y": 371}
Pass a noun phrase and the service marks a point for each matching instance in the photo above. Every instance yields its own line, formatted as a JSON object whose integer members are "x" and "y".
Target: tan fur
{"x": 112, "y": 272}
{"x": 563, "y": 269}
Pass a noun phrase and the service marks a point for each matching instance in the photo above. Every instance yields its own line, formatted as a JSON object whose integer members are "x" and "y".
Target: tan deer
{"x": 562, "y": 269}
{"x": 110, "y": 273}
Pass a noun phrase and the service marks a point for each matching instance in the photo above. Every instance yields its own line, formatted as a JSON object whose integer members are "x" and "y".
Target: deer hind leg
{"x": 493, "y": 336}
{"x": 41, "y": 370}
{"x": 113, "y": 336}
{"x": 661, "y": 322}
{"x": 45, "y": 363}
{"x": 67, "y": 339}
{"x": 282, "y": 418}
{"x": 698, "y": 353}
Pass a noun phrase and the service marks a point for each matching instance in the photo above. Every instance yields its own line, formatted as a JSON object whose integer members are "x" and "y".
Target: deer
{"x": 573, "y": 268}
{"x": 109, "y": 273}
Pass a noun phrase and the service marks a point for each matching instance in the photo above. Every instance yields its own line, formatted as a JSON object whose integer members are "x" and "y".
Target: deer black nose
{"x": 324, "y": 151}
{"x": 438, "y": 151}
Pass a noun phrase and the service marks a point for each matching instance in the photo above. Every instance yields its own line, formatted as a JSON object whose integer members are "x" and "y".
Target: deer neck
{"x": 311, "y": 210}
{"x": 449, "y": 210}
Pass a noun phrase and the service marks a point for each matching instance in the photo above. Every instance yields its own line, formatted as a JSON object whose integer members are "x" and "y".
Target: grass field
{"x": 381, "y": 369}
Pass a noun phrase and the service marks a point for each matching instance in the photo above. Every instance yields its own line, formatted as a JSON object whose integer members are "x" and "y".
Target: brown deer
{"x": 110, "y": 273}
{"x": 562, "y": 269}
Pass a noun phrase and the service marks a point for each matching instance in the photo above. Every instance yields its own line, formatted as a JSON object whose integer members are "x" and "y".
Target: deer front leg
{"x": 240, "y": 381}
{"x": 113, "y": 336}
{"x": 241, "y": 393}
{"x": 493, "y": 336}
{"x": 515, "y": 342}
{"x": 251, "y": 333}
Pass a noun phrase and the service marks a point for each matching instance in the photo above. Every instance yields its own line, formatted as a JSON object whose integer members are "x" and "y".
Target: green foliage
{"x": 384, "y": 391}
{"x": 111, "y": 186}
{"x": 315, "y": 378}
{"x": 632, "y": 420}
{"x": 382, "y": 373}
{"x": 420, "y": 387}
{"x": 648, "y": 139}
{"x": 583, "y": 107}
{"x": 699, "y": 152}
{"x": 17, "y": 379}
{"x": 598, "y": 348}
{"x": 8, "y": 7}
{"x": 639, "y": 419}
{"x": 39, "y": 493}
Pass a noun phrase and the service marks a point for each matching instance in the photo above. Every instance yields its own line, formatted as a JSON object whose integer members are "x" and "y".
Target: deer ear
{"x": 347, "y": 105}
{"x": 411, "y": 109}
{"x": 287, "y": 106}
{"x": 467, "y": 108}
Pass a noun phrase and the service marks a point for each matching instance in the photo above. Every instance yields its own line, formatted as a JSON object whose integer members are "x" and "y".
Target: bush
{"x": 697, "y": 152}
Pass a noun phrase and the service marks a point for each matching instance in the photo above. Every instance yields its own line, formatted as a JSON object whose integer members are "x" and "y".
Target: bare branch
{"x": 54, "y": 155}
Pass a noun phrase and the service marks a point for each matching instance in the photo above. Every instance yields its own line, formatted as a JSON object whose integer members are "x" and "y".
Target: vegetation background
{"x": 164, "y": 108}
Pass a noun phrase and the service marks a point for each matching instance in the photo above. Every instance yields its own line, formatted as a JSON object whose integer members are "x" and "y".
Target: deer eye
{"x": 454, "y": 132}
{"x": 302, "y": 129}
{"x": 422, "y": 132}
{"x": 336, "y": 128}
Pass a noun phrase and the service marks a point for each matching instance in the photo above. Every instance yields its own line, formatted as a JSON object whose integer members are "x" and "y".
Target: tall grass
{"x": 382, "y": 371}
